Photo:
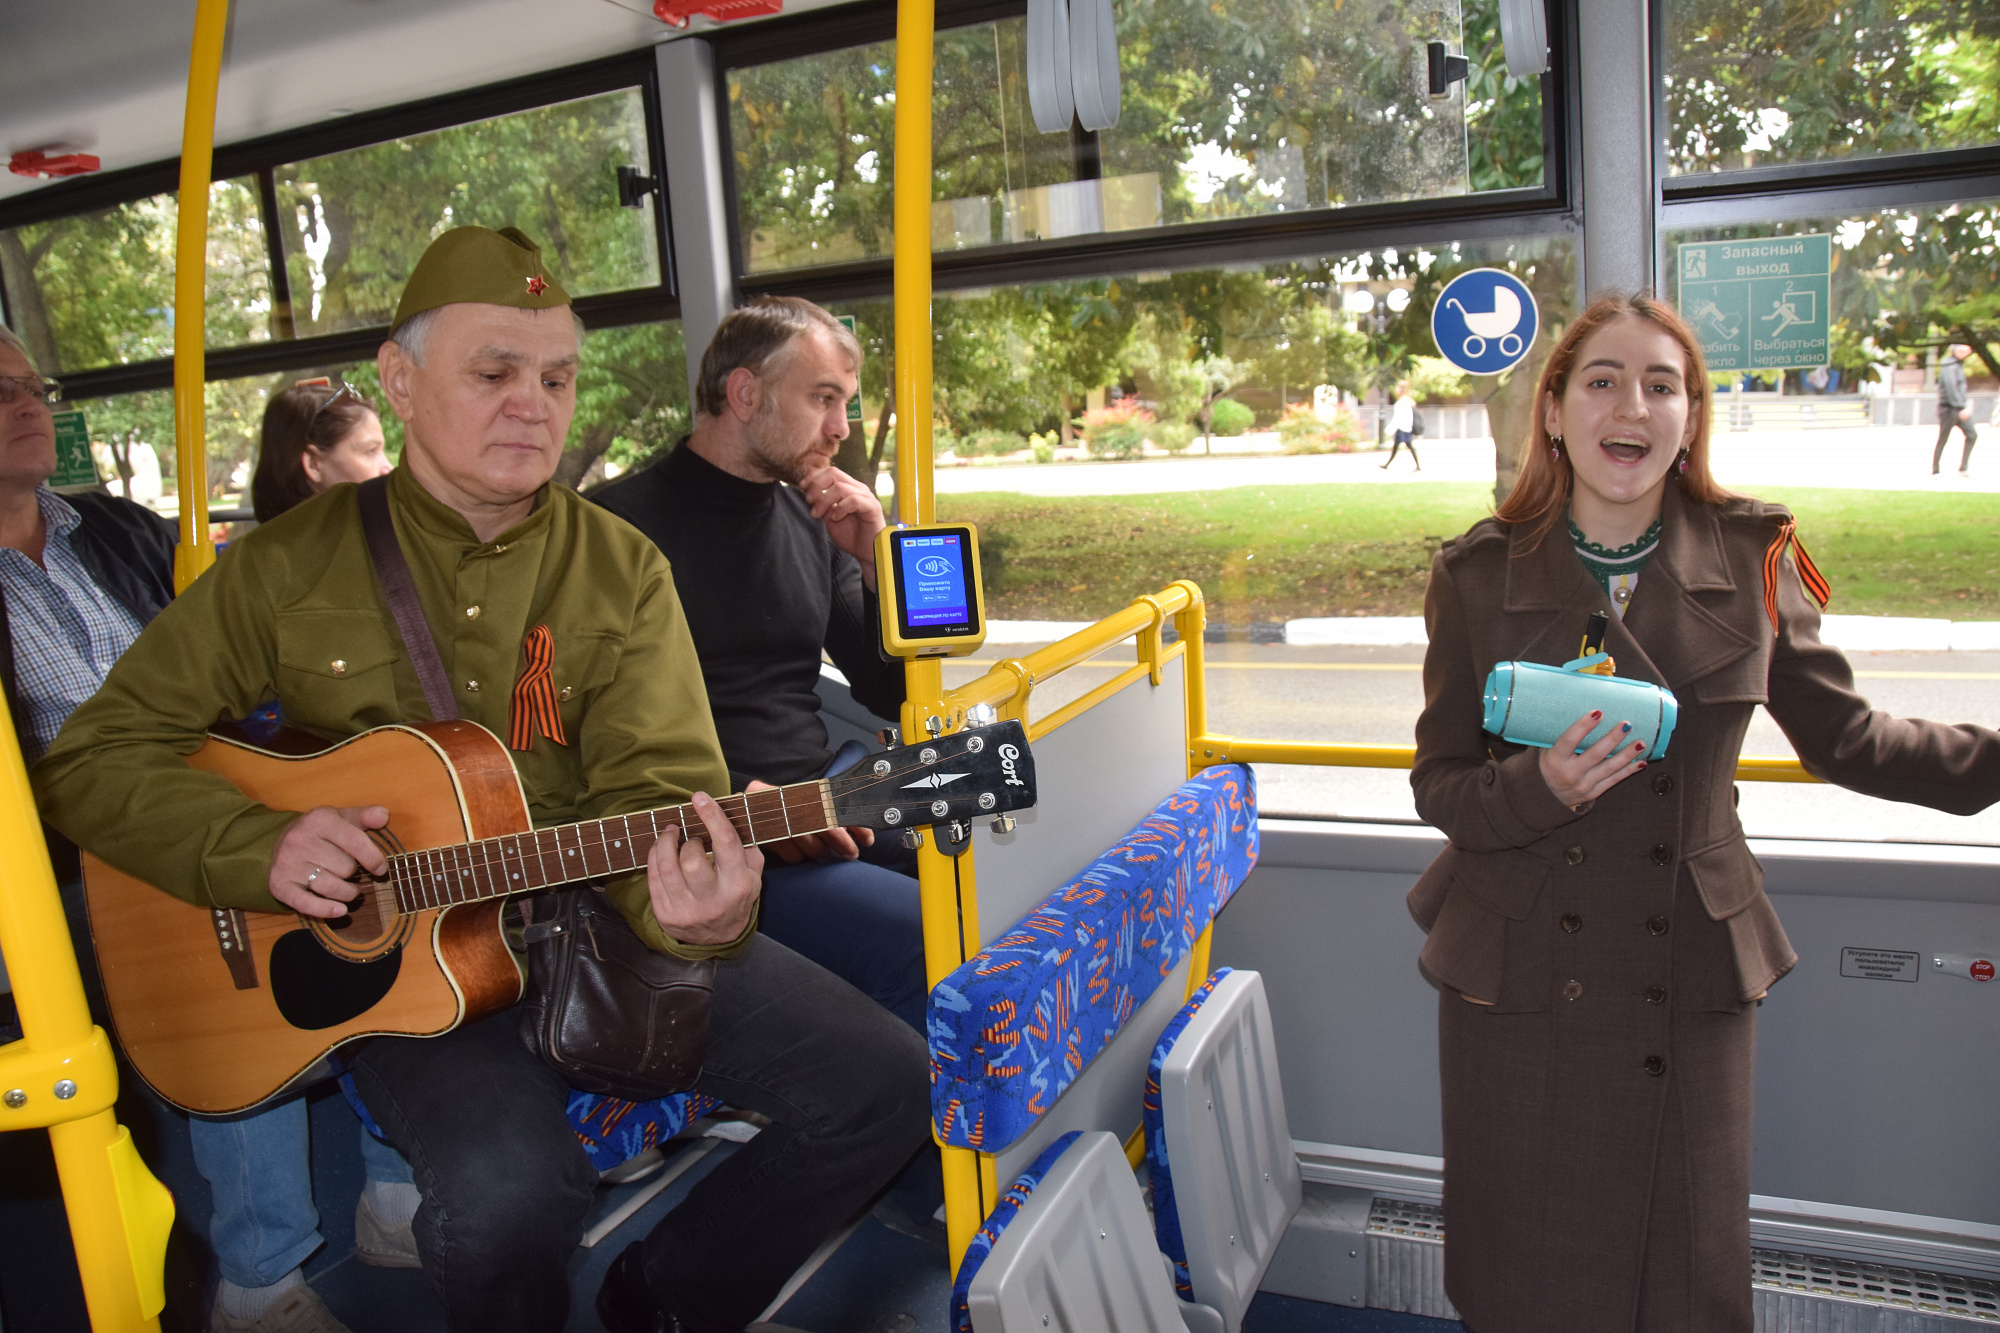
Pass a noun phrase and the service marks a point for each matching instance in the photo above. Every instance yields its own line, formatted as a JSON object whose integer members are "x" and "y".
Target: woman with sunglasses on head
{"x": 1598, "y": 930}
{"x": 315, "y": 436}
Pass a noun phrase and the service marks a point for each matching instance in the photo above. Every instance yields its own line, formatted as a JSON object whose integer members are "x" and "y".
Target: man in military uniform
{"x": 481, "y": 367}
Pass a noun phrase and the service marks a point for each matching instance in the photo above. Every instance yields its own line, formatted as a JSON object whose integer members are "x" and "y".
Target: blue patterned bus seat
{"x": 611, "y": 1129}
{"x": 1014, "y": 1025}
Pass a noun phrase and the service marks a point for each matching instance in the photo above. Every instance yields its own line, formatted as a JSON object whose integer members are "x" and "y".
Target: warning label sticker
{"x": 1879, "y": 964}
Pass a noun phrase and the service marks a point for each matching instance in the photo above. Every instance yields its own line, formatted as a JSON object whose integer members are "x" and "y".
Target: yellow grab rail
{"x": 60, "y": 1076}
{"x": 196, "y": 552}
{"x": 1232, "y": 749}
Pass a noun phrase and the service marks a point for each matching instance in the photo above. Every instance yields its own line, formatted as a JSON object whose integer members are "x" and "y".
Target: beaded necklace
{"x": 1617, "y": 571}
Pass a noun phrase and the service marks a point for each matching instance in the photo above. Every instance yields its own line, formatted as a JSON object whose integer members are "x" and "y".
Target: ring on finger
{"x": 313, "y": 876}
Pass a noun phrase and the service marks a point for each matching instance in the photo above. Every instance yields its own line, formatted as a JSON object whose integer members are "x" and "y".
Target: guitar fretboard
{"x": 518, "y": 862}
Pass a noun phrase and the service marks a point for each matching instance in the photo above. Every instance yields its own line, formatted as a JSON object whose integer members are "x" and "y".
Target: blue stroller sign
{"x": 1484, "y": 321}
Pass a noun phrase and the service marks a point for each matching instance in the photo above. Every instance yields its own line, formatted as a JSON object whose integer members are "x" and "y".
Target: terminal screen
{"x": 935, "y": 595}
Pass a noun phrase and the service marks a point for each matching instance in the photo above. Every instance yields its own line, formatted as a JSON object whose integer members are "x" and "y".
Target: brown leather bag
{"x": 603, "y": 1010}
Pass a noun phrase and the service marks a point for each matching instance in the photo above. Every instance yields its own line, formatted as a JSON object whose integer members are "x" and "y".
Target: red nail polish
{"x": 1597, "y": 712}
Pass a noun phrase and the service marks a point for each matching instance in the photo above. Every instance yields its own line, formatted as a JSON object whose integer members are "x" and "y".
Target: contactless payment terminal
{"x": 934, "y": 609}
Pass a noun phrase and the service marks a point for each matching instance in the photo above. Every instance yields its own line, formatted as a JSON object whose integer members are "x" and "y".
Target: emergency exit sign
{"x": 1759, "y": 304}
{"x": 74, "y": 465}
{"x": 854, "y": 403}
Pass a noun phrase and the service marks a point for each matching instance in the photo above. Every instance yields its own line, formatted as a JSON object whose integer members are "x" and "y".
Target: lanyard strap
{"x": 394, "y": 573}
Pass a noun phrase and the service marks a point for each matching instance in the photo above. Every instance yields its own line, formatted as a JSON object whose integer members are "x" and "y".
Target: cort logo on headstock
{"x": 1008, "y": 754}
{"x": 987, "y": 770}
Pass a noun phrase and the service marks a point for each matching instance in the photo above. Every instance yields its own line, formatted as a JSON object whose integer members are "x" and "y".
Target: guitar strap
{"x": 401, "y": 589}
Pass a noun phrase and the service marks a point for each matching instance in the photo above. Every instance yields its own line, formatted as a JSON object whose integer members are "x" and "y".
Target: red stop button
{"x": 1982, "y": 969}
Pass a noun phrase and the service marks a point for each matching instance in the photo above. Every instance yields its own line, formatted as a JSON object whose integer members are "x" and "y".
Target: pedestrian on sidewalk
{"x": 1954, "y": 409}
{"x": 1403, "y": 425}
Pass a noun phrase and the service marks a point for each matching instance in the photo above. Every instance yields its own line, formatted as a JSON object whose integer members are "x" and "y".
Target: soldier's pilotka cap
{"x": 475, "y": 264}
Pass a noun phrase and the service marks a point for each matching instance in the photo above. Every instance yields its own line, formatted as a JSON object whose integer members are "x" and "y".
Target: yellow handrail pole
{"x": 196, "y": 551}
{"x": 916, "y": 21}
{"x": 61, "y": 1076}
{"x": 915, "y": 503}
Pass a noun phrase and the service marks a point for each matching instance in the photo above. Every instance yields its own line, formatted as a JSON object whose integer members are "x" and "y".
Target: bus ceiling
{"x": 109, "y": 77}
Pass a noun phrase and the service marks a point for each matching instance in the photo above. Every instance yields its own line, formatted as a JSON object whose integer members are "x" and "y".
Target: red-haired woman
{"x": 1598, "y": 928}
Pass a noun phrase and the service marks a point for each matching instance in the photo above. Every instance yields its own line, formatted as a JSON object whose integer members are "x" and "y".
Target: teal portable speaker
{"x": 1528, "y": 703}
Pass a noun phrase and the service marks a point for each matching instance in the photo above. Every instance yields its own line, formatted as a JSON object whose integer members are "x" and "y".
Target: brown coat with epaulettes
{"x": 1597, "y": 1097}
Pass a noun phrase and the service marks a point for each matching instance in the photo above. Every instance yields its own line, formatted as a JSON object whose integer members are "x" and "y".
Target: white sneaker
{"x": 299, "y": 1310}
{"x": 380, "y": 1245}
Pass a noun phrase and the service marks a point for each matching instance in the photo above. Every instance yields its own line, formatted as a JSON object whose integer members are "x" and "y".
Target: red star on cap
{"x": 537, "y": 285}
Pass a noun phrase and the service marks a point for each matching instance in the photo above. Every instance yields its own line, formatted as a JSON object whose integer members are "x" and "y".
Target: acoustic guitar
{"x": 220, "y": 1009}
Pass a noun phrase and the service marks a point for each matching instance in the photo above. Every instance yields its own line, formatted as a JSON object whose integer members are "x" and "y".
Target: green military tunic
{"x": 293, "y": 612}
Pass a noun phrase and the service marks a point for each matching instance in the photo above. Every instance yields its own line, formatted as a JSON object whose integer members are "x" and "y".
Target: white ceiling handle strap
{"x": 1093, "y": 62}
{"x": 1524, "y": 33}
{"x": 1049, "y": 95}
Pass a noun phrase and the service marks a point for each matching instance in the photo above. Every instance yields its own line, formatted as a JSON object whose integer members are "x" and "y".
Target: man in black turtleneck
{"x": 772, "y": 549}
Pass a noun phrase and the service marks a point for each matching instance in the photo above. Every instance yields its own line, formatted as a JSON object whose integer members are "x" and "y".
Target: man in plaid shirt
{"x": 79, "y": 576}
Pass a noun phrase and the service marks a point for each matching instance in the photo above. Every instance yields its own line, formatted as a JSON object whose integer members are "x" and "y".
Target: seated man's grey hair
{"x": 415, "y": 332}
{"x": 757, "y": 338}
{"x": 12, "y": 339}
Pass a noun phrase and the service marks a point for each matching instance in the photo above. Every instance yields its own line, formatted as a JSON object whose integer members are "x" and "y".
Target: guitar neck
{"x": 518, "y": 862}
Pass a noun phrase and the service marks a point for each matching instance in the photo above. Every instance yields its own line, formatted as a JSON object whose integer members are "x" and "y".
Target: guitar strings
{"x": 448, "y": 868}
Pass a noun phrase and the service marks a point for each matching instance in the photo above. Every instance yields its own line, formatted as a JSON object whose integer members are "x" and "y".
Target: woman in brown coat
{"x": 1598, "y": 928}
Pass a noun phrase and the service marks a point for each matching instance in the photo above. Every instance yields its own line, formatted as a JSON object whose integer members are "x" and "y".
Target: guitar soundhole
{"x": 315, "y": 989}
{"x": 370, "y": 918}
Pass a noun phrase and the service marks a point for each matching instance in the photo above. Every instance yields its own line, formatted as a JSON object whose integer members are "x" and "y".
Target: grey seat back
{"x": 1235, "y": 1174}
{"x": 1080, "y": 1255}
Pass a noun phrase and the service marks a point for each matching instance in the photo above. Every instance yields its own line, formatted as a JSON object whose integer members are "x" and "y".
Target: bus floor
{"x": 874, "y": 1281}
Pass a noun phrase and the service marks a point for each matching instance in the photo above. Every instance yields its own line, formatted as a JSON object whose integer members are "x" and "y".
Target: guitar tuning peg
{"x": 1003, "y": 824}
{"x": 890, "y": 736}
{"x": 934, "y": 725}
{"x": 913, "y": 838}
{"x": 981, "y": 715}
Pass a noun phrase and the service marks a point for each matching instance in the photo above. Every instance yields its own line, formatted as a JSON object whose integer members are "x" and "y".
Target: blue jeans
{"x": 861, "y": 922}
{"x": 259, "y": 1171}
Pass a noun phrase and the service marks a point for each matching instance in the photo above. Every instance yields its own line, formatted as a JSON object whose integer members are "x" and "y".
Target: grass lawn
{"x": 1279, "y": 552}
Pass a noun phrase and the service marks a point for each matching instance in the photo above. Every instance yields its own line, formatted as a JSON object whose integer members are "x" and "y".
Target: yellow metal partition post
{"x": 196, "y": 551}
{"x": 61, "y": 1076}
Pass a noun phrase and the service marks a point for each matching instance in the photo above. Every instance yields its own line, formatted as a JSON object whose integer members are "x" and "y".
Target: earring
{"x": 1684, "y": 462}
{"x": 1555, "y": 447}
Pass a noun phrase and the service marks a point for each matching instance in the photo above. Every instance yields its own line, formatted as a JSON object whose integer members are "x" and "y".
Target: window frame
{"x": 1551, "y": 208}
{"x": 1792, "y": 191}
{"x": 259, "y": 158}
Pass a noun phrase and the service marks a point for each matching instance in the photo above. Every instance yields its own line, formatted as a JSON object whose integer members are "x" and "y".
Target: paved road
{"x": 1373, "y": 695}
{"x": 1868, "y": 458}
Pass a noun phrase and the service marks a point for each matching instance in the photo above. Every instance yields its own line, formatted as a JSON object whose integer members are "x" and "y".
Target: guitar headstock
{"x": 979, "y": 771}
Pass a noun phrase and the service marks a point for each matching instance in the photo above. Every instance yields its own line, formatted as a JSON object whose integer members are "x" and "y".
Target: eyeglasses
{"x": 344, "y": 391}
{"x": 13, "y": 386}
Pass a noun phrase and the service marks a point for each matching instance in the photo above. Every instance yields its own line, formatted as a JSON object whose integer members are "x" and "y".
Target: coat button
{"x": 472, "y": 687}
{"x": 1662, "y": 854}
{"x": 1572, "y": 990}
{"x": 472, "y": 613}
{"x": 338, "y": 666}
{"x": 1486, "y": 775}
{"x": 1574, "y": 856}
{"x": 1656, "y": 995}
{"x": 1655, "y": 1066}
{"x": 1664, "y": 784}
{"x": 1656, "y": 925}
{"x": 1571, "y": 923}
{"x": 563, "y": 693}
